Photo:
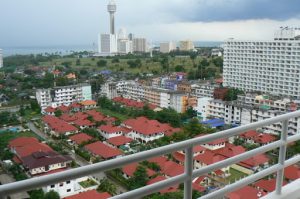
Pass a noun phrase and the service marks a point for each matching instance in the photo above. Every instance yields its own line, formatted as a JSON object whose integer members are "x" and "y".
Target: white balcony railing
{"x": 189, "y": 173}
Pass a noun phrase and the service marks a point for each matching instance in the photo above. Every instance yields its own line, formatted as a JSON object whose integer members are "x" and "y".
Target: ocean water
{"x": 61, "y": 50}
{"x": 65, "y": 50}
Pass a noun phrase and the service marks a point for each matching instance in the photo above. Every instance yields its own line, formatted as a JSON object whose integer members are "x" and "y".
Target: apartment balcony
{"x": 290, "y": 191}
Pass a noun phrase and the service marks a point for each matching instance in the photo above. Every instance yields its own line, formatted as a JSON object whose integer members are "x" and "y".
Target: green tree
{"x": 78, "y": 62}
{"x": 193, "y": 57}
{"x": 139, "y": 178}
{"x": 58, "y": 113}
{"x": 101, "y": 63}
{"x": 232, "y": 94}
{"x": 36, "y": 194}
{"x": 107, "y": 186}
{"x": 51, "y": 195}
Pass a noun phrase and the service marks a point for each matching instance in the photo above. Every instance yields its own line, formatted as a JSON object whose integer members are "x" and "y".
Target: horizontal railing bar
{"x": 293, "y": 138}
{"x": 237, "y": 158}
{"x": 292, "y": 161}
{"x": 34, "y": 183}
{"x": 153, "y": 188}
{"x": 242, "y": 183}
{"x": 251, "y": 179}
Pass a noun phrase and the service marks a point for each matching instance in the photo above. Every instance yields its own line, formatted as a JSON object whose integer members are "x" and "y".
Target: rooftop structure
{"x": 289, "y": 191}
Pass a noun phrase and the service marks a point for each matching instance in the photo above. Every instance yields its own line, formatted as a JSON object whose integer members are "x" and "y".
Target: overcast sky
{"x": 76, "y": 22}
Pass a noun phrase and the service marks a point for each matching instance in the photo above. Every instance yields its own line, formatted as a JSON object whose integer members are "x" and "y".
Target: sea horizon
{"x": 68, "y": 49}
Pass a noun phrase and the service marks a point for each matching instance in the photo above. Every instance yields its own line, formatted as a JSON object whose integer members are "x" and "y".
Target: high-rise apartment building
{"x": 140, "y": 45}
{"x": 1, "y": 59}
{"x": 108, "y": 44}
{"x": 268, "y": 66}
{"x": 167, "y": 47}
{"x": 186, "y": 45}
{"x": 63, "y": 95}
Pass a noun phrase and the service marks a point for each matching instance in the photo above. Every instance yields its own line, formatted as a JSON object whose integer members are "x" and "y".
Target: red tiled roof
{"x": 230, "y": 150}
{"x": 50, "y": 109}
{"x": 81, "y": 116}
{"x": 198, "y": 187}
{"x": 215, "y": 142}
{"x": 102, "y": 150}
{"x": 110, "y": 129}
{"x": 132, "y": 103}
{"x": 179, "y": 157}
{"x": 245, "y": 193}
{"x": 255, "y": 161}
{"x": 119, "y": 140}
{"x": 88, "y": 103}
{"x": 58, "y": 125}
{"x": 68, "y": 118}
{"x": 166, "y": 190}
{"x": 80, "y": 138}
{"x": 22, "y": 141}
{"x": 172, "y": 169}
{"x": 92, "y": 194}
{"x": 83, "y": 122}
{"x": 249, "y": 134}
{"x": 97, "y": 116}
{"x": 63, "y": 108}
{"x": 209, "y": 157}
{"x": 27, "y": 150}
{"x": 160, "y": 161}
{"x": 264, "y": 138}
{"x": 131, "y": 168}
{"x": 292, "y": 172}
{"x": 267, "y": 185}
{"x": 16, "y": 160}
{"x": 75, "y": 105}
{"x": 43, "y": 159}
{"x": 147, "y": 127}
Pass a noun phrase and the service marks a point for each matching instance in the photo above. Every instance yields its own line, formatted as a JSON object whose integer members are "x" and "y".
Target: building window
{"x": 68, "y": 182}
{"x": 52, "y": 186}
{"x": 68, "y": 190}
{"x": 61, "y": 184}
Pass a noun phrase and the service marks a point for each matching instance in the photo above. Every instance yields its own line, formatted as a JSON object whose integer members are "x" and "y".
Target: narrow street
{"x": 78, "y": 159}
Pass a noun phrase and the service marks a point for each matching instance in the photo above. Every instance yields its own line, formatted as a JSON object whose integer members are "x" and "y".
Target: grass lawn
{"x": 31, "y": 114}
{"x": 148, "y": 65}
{"x": 88, "y": 183}
{"x": 235, "y": 175}
{"x": 113, "y": 114}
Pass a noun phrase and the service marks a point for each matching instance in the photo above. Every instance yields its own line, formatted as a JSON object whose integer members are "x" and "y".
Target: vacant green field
{"x": 148, "y": 65}
{"x": 235, "y": 175}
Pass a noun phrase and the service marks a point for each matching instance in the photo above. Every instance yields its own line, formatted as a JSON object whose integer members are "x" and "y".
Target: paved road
{"x": 78, "y": 159}
{"x": 11, "y": 109}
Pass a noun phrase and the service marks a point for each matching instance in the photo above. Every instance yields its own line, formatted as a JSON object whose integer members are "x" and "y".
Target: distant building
{"x": 216, "y": 52}
{"x": 109, "y": 89}
{"x": 167, "y": 47}
{"x": 108, "y": 44}
{"x": 265, "y": 66}
{"x": 140, "y": 45}
{"x": 186, "y": 45}
{"x": 1, "y": 59}
{"x": 63, "y": 95}
{"x": 130, "y": 36}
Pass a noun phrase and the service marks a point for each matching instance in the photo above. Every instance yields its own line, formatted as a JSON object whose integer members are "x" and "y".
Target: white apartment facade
{"x": 108, "y": 44}
{"x": 70, "y": 187}
{"x": 64, "y": 95}
{"x": 204, "y": 90}
{"x": 268, "y": 66}
{"x": 109, "y": 89}
{"x": 140, "y": 45}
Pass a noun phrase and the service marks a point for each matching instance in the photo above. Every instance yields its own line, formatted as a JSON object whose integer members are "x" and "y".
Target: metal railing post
{"x": 282, "y": 156}
{"x": 189, "y": 167}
